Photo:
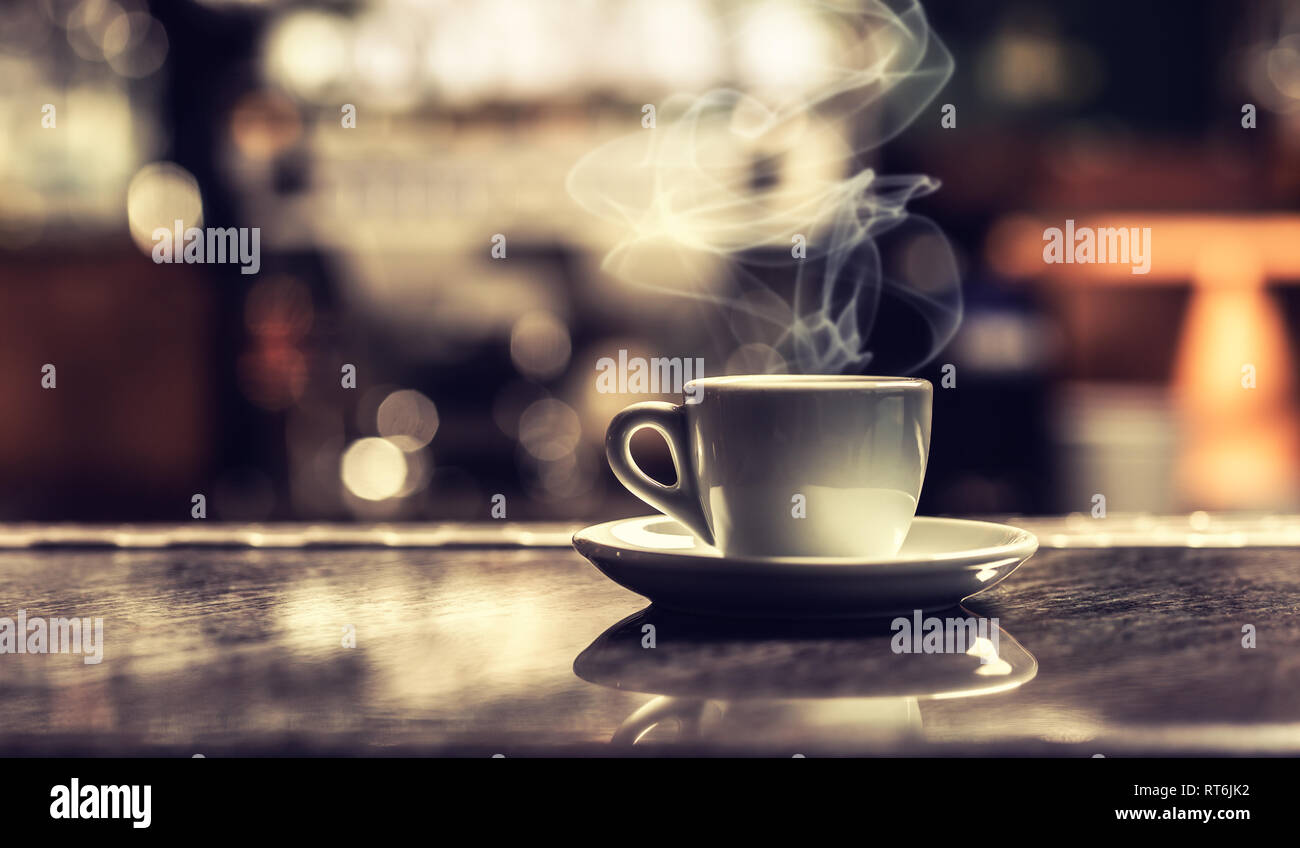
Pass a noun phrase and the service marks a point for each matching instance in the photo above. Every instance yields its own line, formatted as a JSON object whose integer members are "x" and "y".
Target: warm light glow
{"x": 307, "y": 52}
{"x": 263, "y": 124}
{"x": 160, "y": 194}
{"x": 1241, "y": 445}
{"x": 783, "y": 49}
{"x": 373, "y": 469}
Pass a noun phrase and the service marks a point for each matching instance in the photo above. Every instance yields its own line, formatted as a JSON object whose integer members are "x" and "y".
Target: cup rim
{"x": 809, "y": 381}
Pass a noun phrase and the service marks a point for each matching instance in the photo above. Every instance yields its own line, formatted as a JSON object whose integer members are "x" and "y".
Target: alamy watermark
{"x": 37, "y": 635}
{"x": 221, "y": 245}
{"x": 657, "y": 375}
{"x": 967, "y": 635}
{"x": 1098, "y": 245}
{"x": 94, "y": 801}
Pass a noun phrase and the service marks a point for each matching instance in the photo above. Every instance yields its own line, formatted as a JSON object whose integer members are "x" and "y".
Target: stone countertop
{"x": 495, "y": 645}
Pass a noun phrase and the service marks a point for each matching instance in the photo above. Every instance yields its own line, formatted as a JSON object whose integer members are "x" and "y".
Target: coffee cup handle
{"x": 680, "y": 500}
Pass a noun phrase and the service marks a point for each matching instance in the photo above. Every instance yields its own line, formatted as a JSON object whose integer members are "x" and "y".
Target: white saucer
{"x": 942, "y": 561}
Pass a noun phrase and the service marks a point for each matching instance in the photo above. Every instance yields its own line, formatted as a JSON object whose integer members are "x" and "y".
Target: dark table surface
{"x": 1128, "y": 643}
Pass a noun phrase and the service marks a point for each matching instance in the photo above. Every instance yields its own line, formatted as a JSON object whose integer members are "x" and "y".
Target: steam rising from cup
{"x": 755, "y": 200}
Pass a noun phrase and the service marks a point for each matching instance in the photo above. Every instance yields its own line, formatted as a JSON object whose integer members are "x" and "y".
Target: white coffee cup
{"x": 787, "y": 466}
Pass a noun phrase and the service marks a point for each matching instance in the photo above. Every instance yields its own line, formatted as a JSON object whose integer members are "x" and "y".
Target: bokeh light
{"x": 272, "y": 376}
{"x": 264, "y": 123}
{"x": 549, "y": 429}
{"x": 280, "y": 308}
{"x": 308, "y": 51}
{"x": 511, "y": 401}
{"x": 540, "y": 345}
{"x": 373, "y": 469}
{"x": 135, "y": 45}
{"x": 408, "y": 419}
{"x": 160, "y": 194}
{"x": 1282, "y": 64}
{"x": 419, "y": 472}
{"x": 88, "y": 24}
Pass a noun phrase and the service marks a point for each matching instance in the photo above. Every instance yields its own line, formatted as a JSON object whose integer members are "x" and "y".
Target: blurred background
{"x": 475, "y": 376}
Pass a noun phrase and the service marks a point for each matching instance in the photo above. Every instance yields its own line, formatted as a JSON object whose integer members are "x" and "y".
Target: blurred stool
{"x": 1239, "y": 427}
